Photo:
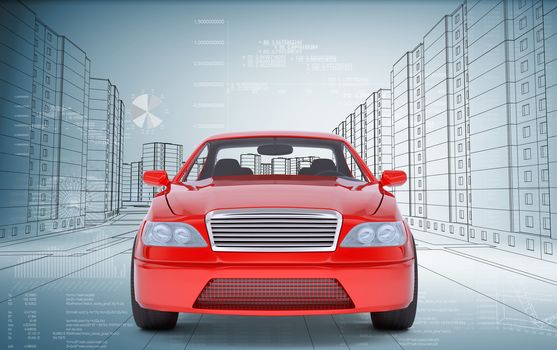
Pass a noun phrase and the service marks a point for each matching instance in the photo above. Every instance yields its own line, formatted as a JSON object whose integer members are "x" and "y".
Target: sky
{"x": 220, "y": 66}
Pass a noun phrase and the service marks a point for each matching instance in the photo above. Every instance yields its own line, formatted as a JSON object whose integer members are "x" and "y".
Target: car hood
{"x": 345, "y": 196}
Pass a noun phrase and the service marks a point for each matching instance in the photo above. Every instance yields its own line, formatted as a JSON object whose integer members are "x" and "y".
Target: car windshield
{"x": 274, "y": 156}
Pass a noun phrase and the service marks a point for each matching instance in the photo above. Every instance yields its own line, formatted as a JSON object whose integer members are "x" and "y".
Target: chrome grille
{"x": 273, "y": 229}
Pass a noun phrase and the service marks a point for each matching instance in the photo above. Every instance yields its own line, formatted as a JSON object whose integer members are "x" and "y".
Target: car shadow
{"x": 219, "y": 331}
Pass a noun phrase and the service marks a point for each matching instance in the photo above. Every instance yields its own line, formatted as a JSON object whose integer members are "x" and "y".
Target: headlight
{"x": 161, "y": 233}
{"x": 375, "y": 234}
{"x": 172, "y": 234}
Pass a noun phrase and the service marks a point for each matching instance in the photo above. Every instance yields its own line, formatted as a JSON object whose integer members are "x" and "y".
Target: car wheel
{"x": 150, "y": 319}
{"x": 403, "y": 318}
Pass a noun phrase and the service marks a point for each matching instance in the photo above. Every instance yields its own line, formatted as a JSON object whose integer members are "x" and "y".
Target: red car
{"x": 274, "y": 223}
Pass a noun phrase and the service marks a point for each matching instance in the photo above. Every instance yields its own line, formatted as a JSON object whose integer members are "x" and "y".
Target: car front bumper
{"x": 371, "y": 286}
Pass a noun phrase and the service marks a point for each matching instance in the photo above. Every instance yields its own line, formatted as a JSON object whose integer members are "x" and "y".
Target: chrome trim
{"x": 324, "y": 219}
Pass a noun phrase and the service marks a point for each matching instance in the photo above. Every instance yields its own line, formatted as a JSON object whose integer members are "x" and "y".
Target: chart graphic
{"x": 143, "y": 108}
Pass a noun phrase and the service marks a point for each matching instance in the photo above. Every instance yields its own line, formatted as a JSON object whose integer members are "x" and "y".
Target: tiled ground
{"x": 71, "y": 291}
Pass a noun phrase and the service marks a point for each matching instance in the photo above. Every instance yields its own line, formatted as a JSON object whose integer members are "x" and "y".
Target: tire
{"x": 403, "y": 318}
{"x": 150, "y": 319}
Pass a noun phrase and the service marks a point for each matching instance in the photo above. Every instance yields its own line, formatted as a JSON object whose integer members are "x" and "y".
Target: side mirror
{"x": 156, "y": 178}
{"x": 393, "y": 178}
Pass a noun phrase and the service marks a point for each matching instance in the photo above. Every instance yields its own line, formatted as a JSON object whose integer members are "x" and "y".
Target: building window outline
{"x": 545, "y": 175}
{"x": 522, "y": 23}
{"x": 543, "y": 151}
{"x": 524, "y": 44}
{"x": 546, "y": 223}
{"x": 528, "y": 198}
{"x": 525, "y": 109}
{"x": 545, "y": 199}
{"x": 523, "y": 66}
{"x": 530, "y": 244}
{"x": 543, "y": 128}
{"x": 525, "y": 88}
{"x": 548, "y": 248}
{"x": 539, "y": 12}
{"x": 539, "y": 35}
{"x": 541, "y": 57}
{"x": 541, "y": 81}
{"x": 529, "y": 221}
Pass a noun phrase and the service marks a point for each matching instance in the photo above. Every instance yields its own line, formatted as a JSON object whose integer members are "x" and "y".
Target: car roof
{"x": 257, "y": 134}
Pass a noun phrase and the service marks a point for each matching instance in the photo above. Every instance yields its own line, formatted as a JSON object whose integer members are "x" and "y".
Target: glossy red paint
{"x": 156, "y": 178}
{"x": 393, "y": 178}
{"x": 376, "y": 279}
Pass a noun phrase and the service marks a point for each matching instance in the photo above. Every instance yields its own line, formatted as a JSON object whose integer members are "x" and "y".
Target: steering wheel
{"x": 329, "y": 173}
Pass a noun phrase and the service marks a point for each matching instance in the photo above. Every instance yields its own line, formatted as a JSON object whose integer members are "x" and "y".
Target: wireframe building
{"x": 44, "y": 113}
{"x": 378, "y": 135}
{"x": 474, "y": 124}
{"x": 266, "y": 169}
{"x": 302, "y": 162}
{"x": 280, "y": 166}
{"x": 369, "y": 130}
{"x": 48, "y": 137}
{"x": 126, "y": 182}
{"x": 196, "y": 169}
{"x": 251, "y": 161}
{"x": 509, "y": 114}
{"x": 104, "y": 153}
{"x": 407, "y": 84}
{"x": 349, "y": 135}
{"x": 136, "y": 183}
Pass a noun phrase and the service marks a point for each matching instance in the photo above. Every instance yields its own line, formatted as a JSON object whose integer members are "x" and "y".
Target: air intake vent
{"x": 273, "y": 294}
{"x": 277, "y": 230}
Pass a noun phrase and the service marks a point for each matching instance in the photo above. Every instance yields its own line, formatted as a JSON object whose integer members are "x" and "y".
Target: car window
{"x": 301, "y": 157}
{"x": 275, "y": 156}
